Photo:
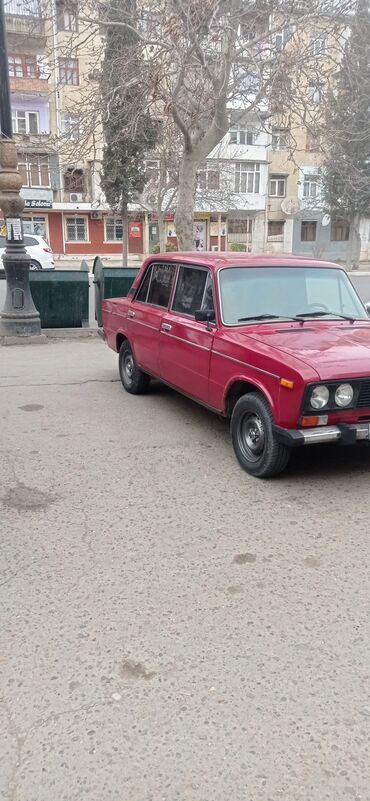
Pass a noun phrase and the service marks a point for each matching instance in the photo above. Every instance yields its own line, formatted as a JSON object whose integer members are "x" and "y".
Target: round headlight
{"x": 319, "y": 397}
{"x": 344, "y": 395}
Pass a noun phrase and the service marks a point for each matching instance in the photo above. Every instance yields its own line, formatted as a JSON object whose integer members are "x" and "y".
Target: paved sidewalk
{"x": 172, "y": 629}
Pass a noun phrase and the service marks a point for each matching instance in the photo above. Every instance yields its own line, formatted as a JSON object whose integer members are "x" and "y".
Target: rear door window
{"x": 161, "y": 284}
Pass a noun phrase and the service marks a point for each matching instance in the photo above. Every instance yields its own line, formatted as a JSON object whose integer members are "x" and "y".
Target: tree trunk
{"x": 124, "y": 214}
{"x": 184, "y": 217}
{"x": 354, "y": 243}
{"x": 162, "y": 233}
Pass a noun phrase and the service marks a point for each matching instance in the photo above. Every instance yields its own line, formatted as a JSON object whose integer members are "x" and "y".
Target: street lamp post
{"x": 19, "y": 318}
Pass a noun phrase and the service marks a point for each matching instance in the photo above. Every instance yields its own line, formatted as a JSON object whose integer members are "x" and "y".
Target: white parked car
{"x": 39, "y": 251}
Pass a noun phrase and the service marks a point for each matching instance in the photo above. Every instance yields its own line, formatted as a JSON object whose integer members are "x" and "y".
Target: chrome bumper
{"x": 345, "y": 434}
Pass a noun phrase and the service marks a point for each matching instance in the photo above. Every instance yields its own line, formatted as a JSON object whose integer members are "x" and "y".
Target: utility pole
{"x": 19, "y": 318}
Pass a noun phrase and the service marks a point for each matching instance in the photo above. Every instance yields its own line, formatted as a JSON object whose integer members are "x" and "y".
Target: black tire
{"x": 254, "y": 442}
{"x": 133, "y": 379}
{"x": 35, "y": 265}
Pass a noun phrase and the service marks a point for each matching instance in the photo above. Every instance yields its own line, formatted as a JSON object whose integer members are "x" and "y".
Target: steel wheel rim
{"x": 128, "y": 367}
{"x": 251, "y": 436}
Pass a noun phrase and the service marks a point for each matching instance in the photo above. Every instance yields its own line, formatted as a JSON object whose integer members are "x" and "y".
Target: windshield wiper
{"x": 267, "y": 317}
{"x": 325, "y": 314}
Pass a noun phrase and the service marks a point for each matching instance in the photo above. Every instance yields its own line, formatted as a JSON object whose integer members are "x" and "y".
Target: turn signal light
{"x": 311, "y": 422}
{"x": 287, "y": 384}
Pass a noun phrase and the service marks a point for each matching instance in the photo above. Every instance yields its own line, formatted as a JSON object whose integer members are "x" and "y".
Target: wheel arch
{"x": 239, "y": 386}
{"x": 120, "y": 338}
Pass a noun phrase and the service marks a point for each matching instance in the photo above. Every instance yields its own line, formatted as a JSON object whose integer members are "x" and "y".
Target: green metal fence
{"x": 111, "y": 282}
{"x": 61, "y": 297}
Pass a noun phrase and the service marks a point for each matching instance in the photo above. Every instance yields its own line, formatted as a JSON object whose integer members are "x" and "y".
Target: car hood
{"x": 333, "y": 350}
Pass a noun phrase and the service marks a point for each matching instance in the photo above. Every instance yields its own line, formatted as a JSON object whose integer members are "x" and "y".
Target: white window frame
{"x": 20, "y": 114}
{"x": 206, "y": 170}
{"x": 17, "y": 62}
{"x": 280, "y": 139}
{"x": 243, "y": 171}
{"x": 116, "y": 220}
{"x": 274, "y": 182}
{"x": 70, "y": 125}
{"x": 26, "y": 160}
{"x": 32, "y": 218}
{"x": 239, "y": 132}
{"x": 311, "y": 187}
{"x": 282, "y": 38}
{"x": 76, "y": 217}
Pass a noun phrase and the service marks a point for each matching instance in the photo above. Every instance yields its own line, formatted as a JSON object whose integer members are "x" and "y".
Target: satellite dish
{"x": 326, "y": 220}
{"x": 291, "y": 205}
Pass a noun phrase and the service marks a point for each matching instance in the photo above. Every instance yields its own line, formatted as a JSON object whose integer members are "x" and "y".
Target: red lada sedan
{"x": 281, "y": 346}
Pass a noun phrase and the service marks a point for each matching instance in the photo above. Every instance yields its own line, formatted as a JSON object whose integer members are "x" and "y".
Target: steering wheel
{"x": 317, "y": 307}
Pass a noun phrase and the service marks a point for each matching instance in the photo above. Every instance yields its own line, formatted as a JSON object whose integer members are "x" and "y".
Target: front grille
{"x": 363, "y": 401}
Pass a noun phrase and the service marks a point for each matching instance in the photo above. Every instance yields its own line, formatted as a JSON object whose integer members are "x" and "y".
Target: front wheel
{"x": 255, "y": 444}
{"x": 133, "y": 379}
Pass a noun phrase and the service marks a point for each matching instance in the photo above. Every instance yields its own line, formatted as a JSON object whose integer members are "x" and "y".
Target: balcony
{"x": 30, "y": 28}
{"x": 32, "y": 86}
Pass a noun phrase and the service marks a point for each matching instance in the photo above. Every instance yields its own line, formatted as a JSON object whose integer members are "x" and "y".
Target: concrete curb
{"x": 49, "y": 334}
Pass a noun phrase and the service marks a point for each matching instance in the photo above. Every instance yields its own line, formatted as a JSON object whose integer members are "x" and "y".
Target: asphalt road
{"x": 172, "y": 629}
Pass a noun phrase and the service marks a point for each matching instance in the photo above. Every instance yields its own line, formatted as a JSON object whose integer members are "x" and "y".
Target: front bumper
{"x": 344, "y": 434}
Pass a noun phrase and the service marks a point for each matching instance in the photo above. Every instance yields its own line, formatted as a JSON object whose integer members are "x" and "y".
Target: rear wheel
{"x": 35, "y": 265}
{"x": 133, "y": 379}
{"x": 255, "y": 444}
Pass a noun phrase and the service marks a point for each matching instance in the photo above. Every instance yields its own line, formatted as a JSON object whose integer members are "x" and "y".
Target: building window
{"x": 34, "y": 169}
{"x": 25, "y": 122}
{"x": 339, "y": 231}
{"x": 76, "y": 229}
{"x": 282, "y": 38}
{"x": 318, "y": 44}
{"x": 209, "y": 177}
{"x": 280, "y": 139}
{"x": 152, "y": 170}
{"x": 241, "y": 136}
{"x": 68, "y": 71}
{"x": 23, "y": 67}
{"x": 313, "y": 141}
{"x": 311, "y": 186}
{"x": 36, "y": 225}
{"x": 308, "y": 231}
{"x": 247, "y": 177}
{"x": 315, "y": 93}
{"x": 277, "y": 186}
{"x": 113, "y": 229}
{"x": 70, "y": 126}
{"x": 239, "y": 225}
{"x": 275, "y": 228}
{"x": 67, "y": 19}
{"x": 74, "y": 181}
{"x": 247, "y": 32}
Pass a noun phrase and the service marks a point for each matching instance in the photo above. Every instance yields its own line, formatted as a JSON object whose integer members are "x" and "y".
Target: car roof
{"x": 218, "y": 261}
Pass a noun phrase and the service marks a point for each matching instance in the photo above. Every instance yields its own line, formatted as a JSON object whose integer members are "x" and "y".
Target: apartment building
{"x": 252, "y": 194}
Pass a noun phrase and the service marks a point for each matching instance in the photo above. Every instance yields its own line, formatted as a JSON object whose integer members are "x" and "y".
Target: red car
{"x": 281, "y": 346}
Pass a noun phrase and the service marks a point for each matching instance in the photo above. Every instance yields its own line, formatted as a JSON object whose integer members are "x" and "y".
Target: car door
{"x": 145, "y": 312}
{"x": 185, "y": 344}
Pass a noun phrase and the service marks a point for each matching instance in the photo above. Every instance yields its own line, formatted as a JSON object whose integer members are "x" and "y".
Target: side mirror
{"x": 367, "y": 307}
{"x": 203, "y": 316}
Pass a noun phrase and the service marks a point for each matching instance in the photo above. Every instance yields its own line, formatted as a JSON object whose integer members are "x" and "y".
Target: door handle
{"x": 166, "y": 327}
{"x": 130, "y": 313}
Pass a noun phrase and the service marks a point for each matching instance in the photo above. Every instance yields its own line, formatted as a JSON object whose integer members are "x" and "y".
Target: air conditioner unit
{"x": 76, "y": 197}
{"x": 96, "y": 215}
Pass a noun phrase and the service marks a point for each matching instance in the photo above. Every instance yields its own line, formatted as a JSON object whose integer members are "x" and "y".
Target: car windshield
{"x": 285, "y": 292}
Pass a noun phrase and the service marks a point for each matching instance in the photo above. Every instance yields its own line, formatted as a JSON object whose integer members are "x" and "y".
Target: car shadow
{"x": 310, "y": 461}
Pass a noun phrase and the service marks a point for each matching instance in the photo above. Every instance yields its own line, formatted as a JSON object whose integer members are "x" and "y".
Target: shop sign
{"x": 135, "y": 230}
{"x": 38, "y": 204}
